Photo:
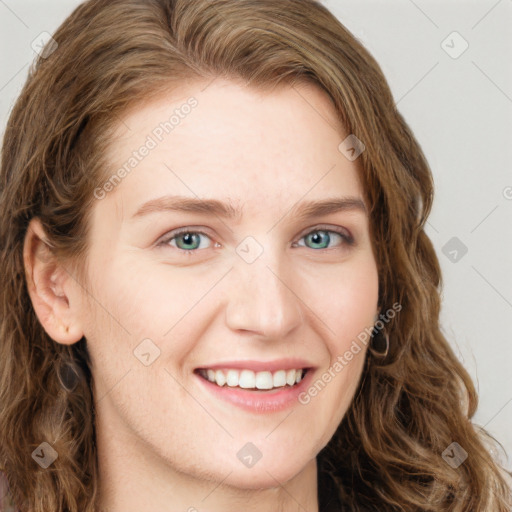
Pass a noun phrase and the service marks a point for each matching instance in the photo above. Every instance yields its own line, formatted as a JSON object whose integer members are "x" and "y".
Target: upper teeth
{"x": 249, "y": 379}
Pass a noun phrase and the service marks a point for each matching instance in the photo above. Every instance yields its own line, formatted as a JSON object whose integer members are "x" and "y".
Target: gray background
{"x": 460, "y": 109}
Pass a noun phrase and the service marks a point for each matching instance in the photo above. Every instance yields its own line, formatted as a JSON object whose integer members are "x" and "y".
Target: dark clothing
{"x": 328, "y": 495}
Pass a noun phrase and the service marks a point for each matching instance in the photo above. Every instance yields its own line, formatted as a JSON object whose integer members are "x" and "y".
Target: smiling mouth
{"x": 257, "y": 382}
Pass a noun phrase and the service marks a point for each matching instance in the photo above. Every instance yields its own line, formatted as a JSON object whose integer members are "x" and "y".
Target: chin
{"x": 264, "y": 474}
{"x": 261, "y": 478}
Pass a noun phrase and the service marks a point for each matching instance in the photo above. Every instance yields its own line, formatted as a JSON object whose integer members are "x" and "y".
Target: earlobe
{"x": 46, "y": 280}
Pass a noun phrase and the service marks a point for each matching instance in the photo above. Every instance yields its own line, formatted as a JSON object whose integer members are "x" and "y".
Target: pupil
{"x": 187, "y": 238}
{"x": 316, "y": 238}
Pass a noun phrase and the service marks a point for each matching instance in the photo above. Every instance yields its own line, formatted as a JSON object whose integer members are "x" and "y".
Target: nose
{"x": 264, "y": 298}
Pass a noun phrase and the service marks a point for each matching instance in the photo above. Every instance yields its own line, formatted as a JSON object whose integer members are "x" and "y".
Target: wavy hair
{"x": 115, "y": 54}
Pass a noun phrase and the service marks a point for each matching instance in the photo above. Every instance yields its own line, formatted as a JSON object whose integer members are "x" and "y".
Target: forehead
{"x": 235, "y": 141}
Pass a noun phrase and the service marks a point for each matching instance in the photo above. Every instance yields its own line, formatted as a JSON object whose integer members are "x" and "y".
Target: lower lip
{"x": 260, "y": 401}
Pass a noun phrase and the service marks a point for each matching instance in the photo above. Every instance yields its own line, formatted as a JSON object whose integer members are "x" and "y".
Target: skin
{"x": 164, "y": 442}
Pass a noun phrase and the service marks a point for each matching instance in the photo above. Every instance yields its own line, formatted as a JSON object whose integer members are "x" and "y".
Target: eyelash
{"x": 347, "y": 239}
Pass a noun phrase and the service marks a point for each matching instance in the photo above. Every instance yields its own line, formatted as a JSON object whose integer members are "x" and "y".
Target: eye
{"x": 319, "y": 238}
{"x": 186, "y": 240}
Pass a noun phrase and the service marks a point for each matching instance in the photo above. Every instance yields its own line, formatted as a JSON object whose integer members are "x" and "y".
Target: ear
{"x": 50, "y": 288}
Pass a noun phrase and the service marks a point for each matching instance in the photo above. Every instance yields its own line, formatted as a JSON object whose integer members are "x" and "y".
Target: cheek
{"x": 125, "y": 307}
{"x": 134, "y": 297}
{"x": 348, "y": 308}
{"x": 349, "y": 303}
{"x": 138, "y": 301}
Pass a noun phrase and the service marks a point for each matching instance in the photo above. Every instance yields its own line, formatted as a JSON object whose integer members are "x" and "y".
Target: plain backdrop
{"x": 448, "y": 64}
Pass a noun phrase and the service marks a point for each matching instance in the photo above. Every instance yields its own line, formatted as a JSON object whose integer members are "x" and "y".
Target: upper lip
{"x": 259, "y": 366}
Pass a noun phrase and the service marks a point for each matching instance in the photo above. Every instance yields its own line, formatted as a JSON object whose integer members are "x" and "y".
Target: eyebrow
{"x": 302, "y": 211}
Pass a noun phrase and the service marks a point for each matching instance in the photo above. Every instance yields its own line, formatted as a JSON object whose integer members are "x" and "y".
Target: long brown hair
{"x": 114, "y": 54}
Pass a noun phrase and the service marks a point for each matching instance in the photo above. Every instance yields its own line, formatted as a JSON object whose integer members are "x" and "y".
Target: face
{"x": 264, "y": 285}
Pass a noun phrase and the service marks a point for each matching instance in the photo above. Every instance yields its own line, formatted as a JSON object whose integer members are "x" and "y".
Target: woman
{"x": 293, "y": 358}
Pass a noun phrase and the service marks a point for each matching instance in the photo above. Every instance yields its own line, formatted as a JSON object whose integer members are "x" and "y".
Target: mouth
{"x": 248, "y": 380}
{"x": 259, "y": 392}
